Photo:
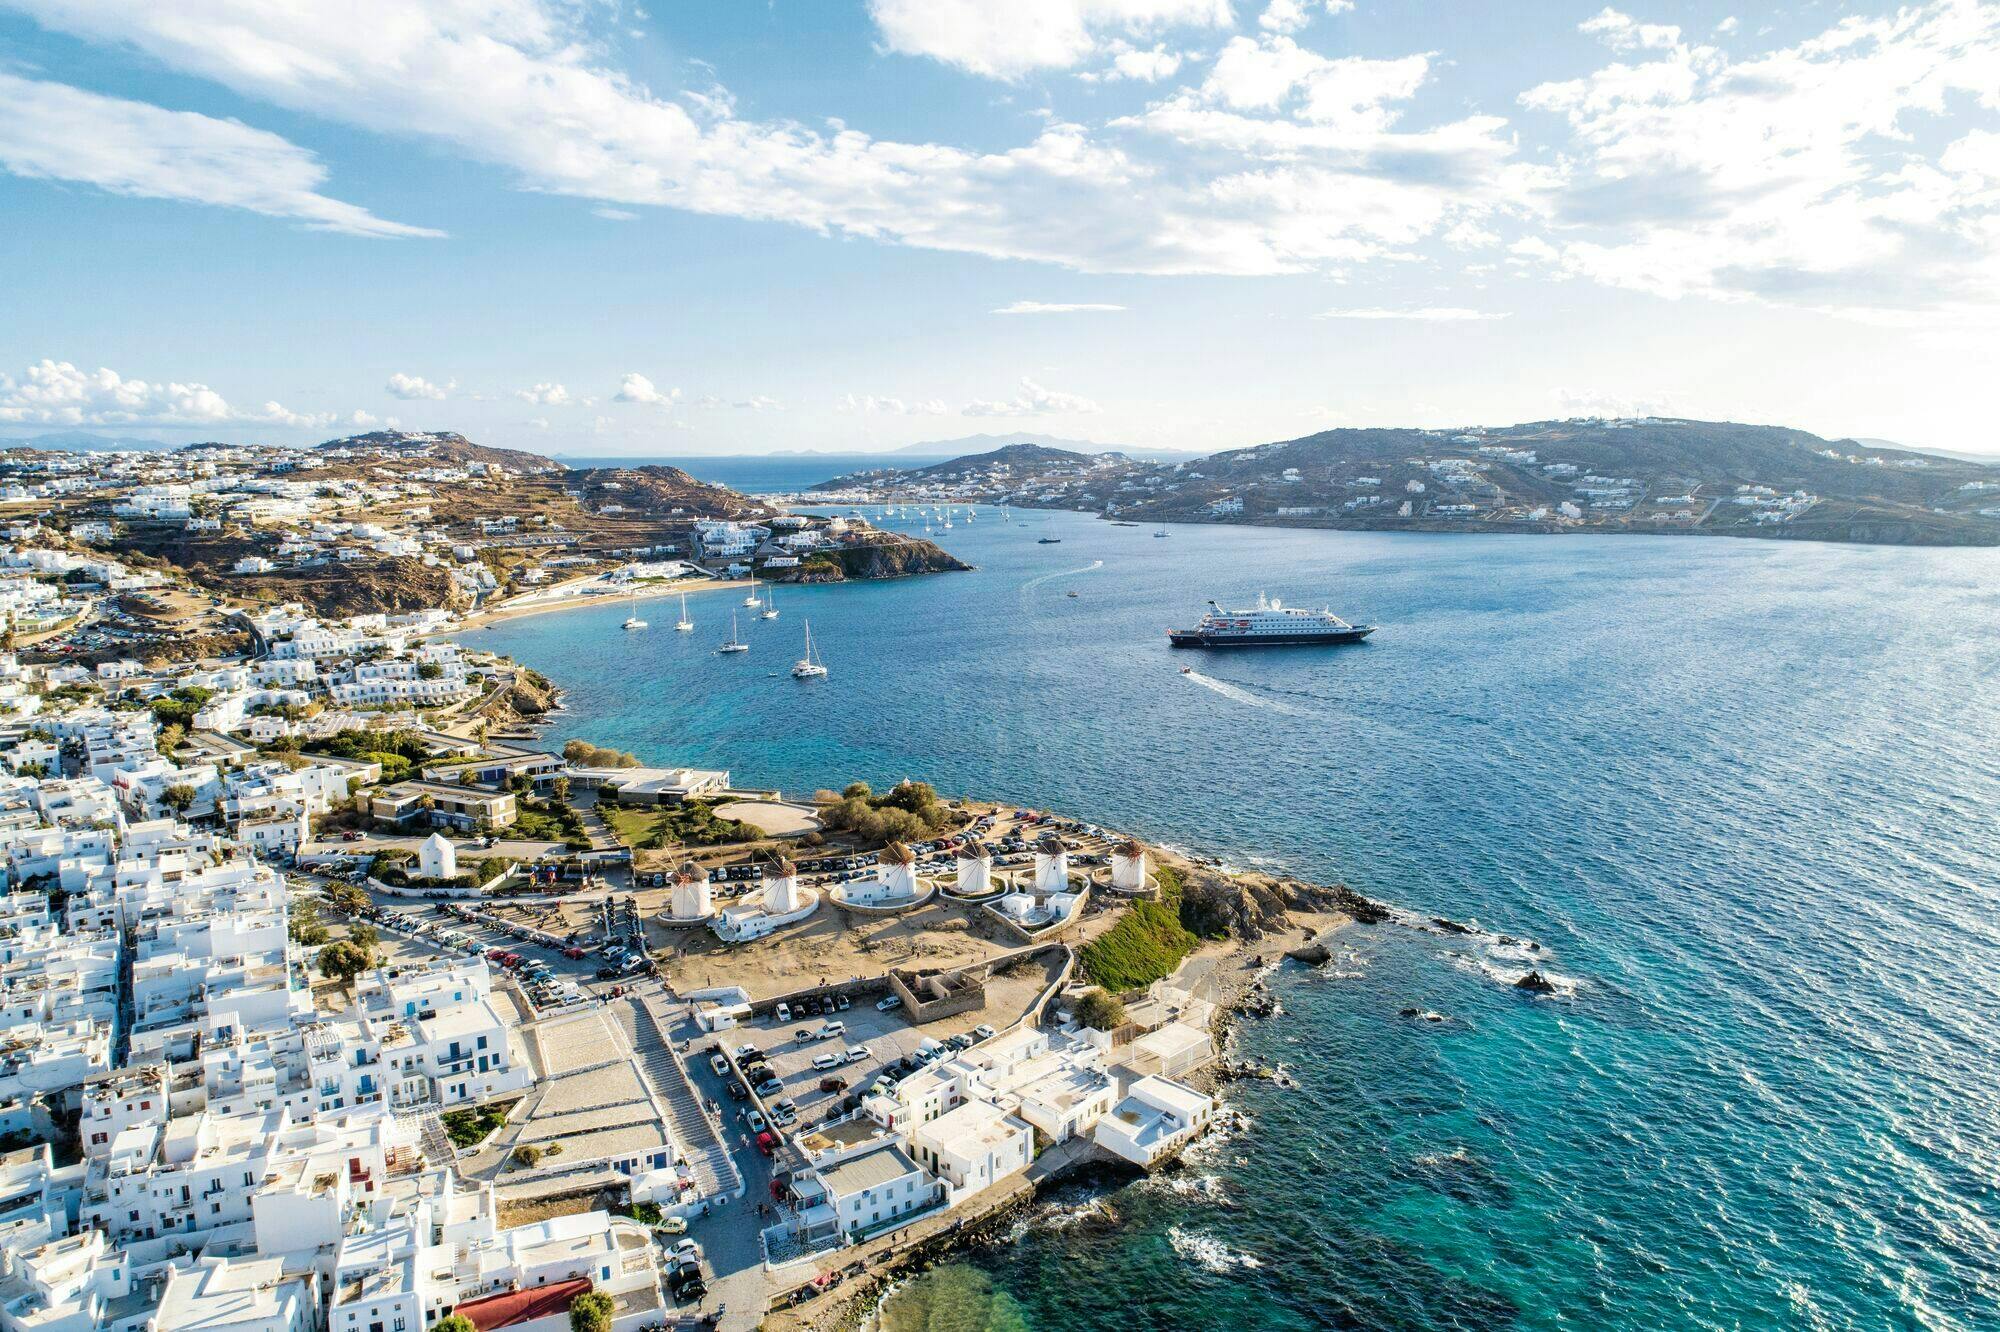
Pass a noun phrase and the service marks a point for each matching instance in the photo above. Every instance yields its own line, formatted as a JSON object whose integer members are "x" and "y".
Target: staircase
{"x": 436, "y": 1143}
{"x": 700, "y": 1142}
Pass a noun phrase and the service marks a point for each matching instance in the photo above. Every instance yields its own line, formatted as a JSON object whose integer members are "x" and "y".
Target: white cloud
{"x": 1006, "y": 41}
{"x": 757, "y": 402}
{"x": 1151, "y": 66}
{"x": 55, "y": 132}
{"x": 58, "y": 393}
{"x": 637, "y": 388}
{"x": 888, "y": 406}
{"x": 1621, "y": 32}
{"x": 523, "y": 84}
{"x": 1049, "y": 307}
{"x": 411, "y": 387}
{"x": 1428, "y": 314}
{"x": 544, "y": 395}
{"x": 1032, "y": 400}
{"x": 1728, "y": 25}
{"x": 1804, "y": 176}
{"x": 1291, "y": 15}
{"x": 616, "y": 214}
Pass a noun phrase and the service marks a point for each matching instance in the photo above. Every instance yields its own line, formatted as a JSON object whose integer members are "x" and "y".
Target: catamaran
{"x": 808, "y": 667}
{"x": 684, "y": 624}
{"x": 633, "y": 621}
{"x": 770, "y": 610}
{"x": 734, "y": 644}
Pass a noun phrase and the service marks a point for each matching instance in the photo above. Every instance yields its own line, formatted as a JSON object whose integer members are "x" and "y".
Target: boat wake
{"x": 1239, "y": 694}
{"x": 1208, "y": 1251}
{"x": 1040, "y": 579}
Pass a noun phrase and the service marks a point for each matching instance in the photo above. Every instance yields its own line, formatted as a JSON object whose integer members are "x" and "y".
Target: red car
{"x": 572, "y": 953}
{"x": 766, "y": 1143}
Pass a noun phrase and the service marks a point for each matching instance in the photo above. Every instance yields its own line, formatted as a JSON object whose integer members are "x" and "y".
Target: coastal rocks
{"x": 1451, "y": 926}
{"x": 526, "y": 699}
{"x": 1422, "y": 1015}
{"x": 1311, "y": 955}
{"x": 1251, "y": 1070}
{"x": 1535, "y": 983}
{"x": 1248, "y": 907}
{"x": 900, "y": 557}
{"x": 1259, "y": 1002}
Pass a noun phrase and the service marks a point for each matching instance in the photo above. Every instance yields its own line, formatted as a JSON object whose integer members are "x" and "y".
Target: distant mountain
{"x": 81, "y": 441}
{"x": 1989, "y": 459}
{"x": 1006, "y": 466}
{"x": 979, "y": 444}
{"x": 445, "y": 446}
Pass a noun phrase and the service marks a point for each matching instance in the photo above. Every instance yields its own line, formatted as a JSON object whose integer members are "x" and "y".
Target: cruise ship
{"x": 1268, "y": 624}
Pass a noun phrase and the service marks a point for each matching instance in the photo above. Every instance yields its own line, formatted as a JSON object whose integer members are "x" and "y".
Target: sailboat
{"x": 752, "y": 600}
{"x": 808, "y": 667}
{"x": 633, "y": 621}
{"x": 771, "y": 610}
{"x": 684, "y": 624}
{"x": 1162, "y": 532}
{"x": 734, "y": 644}
{"x": 1051, "y": 539}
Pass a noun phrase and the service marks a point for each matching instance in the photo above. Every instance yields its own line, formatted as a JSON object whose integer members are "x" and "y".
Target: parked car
{"x": 755, "y": 1119}
{"x": 832, "y": 1084}
{"x": 784, "y": 1014}
{"x": 831, "y": 1059}
{"x": 984, "y": 1032}
{"x": 745, "y": 1051}
{"x": 802, "y": 1035}
{"x": 843, "y": 1003}
{"x": 770, "y": 1087}
{"x": 719, "y": 1064}
{"x": 890, "y": 1005}
{"x": 672, "y": 1225}
{"x": 853, "y": 1056}
{"x": 766, "y": 1143}
{"x": 830, "y": 1030}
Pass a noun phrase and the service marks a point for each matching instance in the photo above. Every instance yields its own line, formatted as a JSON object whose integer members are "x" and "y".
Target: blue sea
{"x": 1741, "y": 794}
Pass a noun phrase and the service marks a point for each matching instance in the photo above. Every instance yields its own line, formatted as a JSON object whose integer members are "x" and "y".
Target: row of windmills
{"x": 1050, "y": 893}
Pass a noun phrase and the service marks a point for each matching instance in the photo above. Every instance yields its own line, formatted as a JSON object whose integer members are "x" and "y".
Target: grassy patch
{"x": 690, "y": 823}
{"x": 1140, "y": 949}
{"x": 468, "y": 1128}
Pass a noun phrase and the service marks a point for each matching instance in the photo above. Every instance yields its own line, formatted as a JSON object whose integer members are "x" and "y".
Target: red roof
{"x": 522, "y": 1306}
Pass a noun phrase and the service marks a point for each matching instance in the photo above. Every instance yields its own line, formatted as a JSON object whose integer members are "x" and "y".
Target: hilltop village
{"x": 1626, "y": 475}
{"x": 335, "y": 1003}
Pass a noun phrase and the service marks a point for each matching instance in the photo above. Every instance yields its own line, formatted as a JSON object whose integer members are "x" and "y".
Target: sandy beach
{"x": 549, "y": 600}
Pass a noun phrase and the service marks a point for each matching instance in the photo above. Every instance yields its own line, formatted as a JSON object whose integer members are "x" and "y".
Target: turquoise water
{"x": 1742, "y": 794}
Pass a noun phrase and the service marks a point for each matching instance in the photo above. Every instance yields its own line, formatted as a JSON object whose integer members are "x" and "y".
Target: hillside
{"x": 443, "y": 446}
{"x": 1008, "y": 465}
{"x": 1643, "y": 475}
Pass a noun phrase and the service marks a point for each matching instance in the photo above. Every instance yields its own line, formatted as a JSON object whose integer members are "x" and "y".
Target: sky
{"x": 593, "y": 227}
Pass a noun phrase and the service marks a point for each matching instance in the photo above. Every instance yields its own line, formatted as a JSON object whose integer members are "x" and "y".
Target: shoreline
{"x": 845, "y": 1309}
{"x": 512, "y": 610}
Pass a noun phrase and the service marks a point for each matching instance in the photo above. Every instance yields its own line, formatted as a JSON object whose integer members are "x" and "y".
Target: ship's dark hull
{"x": 1194, "y": 638}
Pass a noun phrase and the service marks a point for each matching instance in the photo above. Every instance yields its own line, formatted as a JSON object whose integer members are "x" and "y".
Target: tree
{"x": 454, "y": 1323}
{"x": 179, "y": 797}
{"x": 1100, "y": 1011}
{"x": 364, "y": 936}
{"x": 591, "y": 1312}
{"x": 528, "y": 1154}
{"x": 559, "y": 788}
{"x": 341, "y": 961}
{"x": 429, "y": 670}
{"x": 856, "y": 791}
{"x": 346, "y": 898}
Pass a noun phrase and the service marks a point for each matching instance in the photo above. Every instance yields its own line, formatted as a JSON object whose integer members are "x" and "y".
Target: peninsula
{"x": 1644, "y": 475}
{"x": 335, "y": 999}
